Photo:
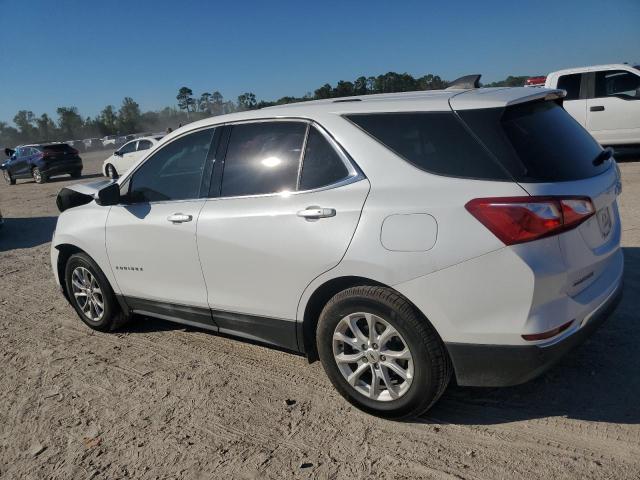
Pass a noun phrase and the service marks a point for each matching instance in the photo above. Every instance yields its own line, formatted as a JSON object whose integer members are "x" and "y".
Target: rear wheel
{"x": 8, "y": 178}
{"x": 91, "y": 295}
{"x": 111, "y": 172}
{"x": 38, "y": 176}
{"x": 380, "y": 353}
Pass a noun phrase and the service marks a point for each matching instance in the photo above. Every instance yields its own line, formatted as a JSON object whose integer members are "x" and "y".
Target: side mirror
{"x": 117, "y": 153}
{"x": 109, "y": 195}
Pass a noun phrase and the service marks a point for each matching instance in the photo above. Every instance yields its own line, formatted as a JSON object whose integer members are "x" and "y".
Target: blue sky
{"x": 93, "y": 53}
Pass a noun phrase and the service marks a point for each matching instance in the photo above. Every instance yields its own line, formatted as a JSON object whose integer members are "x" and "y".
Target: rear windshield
{"x": 58, "y": 148}
{"x": 537, "y": 141}
{"x": 436, "y": 142}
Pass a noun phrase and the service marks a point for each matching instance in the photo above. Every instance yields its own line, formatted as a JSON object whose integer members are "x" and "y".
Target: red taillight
{"x": 523, "y": 219}
{"x": 539, "y": 80}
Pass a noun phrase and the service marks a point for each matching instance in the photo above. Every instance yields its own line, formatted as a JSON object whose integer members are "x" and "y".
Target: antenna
{"x": 465, "y": 83}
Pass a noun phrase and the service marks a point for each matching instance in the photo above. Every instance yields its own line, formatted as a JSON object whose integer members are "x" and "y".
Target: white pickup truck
{"x": 605, "y": 99}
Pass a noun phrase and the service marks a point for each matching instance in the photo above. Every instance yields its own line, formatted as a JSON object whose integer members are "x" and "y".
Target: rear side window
{"x": 436, "y": 142}
{"x": 571, "y": 83}
{"x": 144, "y": 145}
{"x": 58, "y": 148}
{"x": 262, "y": 158}
{"x": 322, "y": 165}
{"x": 537, "y": 141}
{"x": 619, "y": 83}
{"x": 174, "y": 172}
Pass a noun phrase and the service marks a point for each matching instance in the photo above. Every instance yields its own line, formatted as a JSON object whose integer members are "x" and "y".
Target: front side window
{"x": 262, "y": 158}
{"x": 322, "y": 165}
{"x": 128, "y": 148}
{"x": 617, "y": 83}
{"x": 174, "y": 172}
{"x": 571, "y": 84}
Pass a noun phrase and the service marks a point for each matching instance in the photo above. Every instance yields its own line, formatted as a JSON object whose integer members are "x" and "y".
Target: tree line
{"x": 128, "y": 118}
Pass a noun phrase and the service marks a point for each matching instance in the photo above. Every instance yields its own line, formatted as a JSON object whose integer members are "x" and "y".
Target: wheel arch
{"x": 65, "y": 251}
{"x": 306, "y": 329}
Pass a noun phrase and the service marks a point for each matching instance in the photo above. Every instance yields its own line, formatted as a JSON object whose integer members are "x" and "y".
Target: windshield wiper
{"x": 603, "y": 156}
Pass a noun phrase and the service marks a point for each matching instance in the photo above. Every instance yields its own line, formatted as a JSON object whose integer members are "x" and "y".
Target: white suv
{"x": 400, "y": 238}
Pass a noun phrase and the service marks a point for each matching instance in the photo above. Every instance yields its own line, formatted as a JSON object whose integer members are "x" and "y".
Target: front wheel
{"x": 8, "y": 178}
{"x": 91, "y": 295}
{"x": 38, "y": 176}
{"x": 380, "y": 353}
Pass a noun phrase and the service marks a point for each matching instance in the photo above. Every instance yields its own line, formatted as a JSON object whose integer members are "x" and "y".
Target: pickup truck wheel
{"x": 380, "y": 353}
{"x": 91, "y": 294}
{"x": 38, "y": 176}
{"x": 8, "y": 178}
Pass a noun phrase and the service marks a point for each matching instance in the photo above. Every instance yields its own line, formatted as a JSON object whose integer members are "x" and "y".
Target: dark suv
{"x": 41, "y": 162}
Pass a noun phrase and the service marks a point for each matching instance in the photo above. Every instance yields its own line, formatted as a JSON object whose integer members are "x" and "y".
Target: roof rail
{"x": 348, "y": 100}
{"x": 465, "y": 83}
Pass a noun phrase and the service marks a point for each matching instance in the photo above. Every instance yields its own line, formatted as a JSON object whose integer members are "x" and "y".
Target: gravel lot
{"x": 157, "y": 400}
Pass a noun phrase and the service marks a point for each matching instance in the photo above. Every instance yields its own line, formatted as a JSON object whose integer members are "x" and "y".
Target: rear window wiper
{"x": 603, "y": 156}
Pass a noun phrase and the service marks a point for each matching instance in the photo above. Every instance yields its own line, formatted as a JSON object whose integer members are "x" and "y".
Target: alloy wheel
{"x": 37, "y": 176}
{"x": 372, "y": 356}
{"x": 87, "y": 293}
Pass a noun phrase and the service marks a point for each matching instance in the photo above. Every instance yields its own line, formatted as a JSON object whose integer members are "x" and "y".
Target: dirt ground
{"x": 157, "y": 400}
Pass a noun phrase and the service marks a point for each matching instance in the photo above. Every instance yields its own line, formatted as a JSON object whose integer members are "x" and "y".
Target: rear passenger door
{"x": 284, "y": 206}
{"x": 575, "y": 102}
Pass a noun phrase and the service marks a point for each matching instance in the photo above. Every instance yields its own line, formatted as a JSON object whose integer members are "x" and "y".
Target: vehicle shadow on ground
{"x": 64, "y": 178}
{"x": 26, "y": 232}
{"x": 598, "y": 381}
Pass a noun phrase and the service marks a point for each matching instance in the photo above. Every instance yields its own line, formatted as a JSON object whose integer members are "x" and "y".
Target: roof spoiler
{"x": 465, "y": 83}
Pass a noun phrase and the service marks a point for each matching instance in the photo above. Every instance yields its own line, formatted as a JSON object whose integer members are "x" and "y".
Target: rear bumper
{"x": 506, "y": 365}
{"x": 62, "y": 167}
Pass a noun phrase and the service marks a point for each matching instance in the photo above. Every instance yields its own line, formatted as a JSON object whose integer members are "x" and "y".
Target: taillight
{"x": 523, "y": 219}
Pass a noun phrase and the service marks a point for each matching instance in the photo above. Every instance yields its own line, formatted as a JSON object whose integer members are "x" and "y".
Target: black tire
{"x": 8, "y": 178}
{"x": 431, "y": 364}
{"x": 76, "y": 174}
{"x": 112, "y": 172}
{"x": 112, "y": 317}
{"x": 38, "y": 176}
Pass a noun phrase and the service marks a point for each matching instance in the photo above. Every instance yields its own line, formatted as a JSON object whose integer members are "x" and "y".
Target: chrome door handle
{"x": 179, "y": 218}
{"x": 317, "y": 212}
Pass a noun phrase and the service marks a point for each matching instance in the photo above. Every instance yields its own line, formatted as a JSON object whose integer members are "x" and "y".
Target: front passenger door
{"x": 151, "y": 237}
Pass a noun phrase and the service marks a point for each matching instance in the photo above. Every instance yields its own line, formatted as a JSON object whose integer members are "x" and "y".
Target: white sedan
{"x": 127, "y": 155}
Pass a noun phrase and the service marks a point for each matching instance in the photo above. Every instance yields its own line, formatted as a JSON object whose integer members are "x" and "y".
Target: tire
{"x": 8, "y": 178}
{"x": 83, "y": 271}
{"x": 427, "y": 366}
{"x": 38, "y": 176}
{"x": 111, "y": 172}
{"x": 76, "y": 174}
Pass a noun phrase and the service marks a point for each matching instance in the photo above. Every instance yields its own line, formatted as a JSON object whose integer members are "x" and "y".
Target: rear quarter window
{"x": 537, "y": 141}
{"x": 436, "y": 142}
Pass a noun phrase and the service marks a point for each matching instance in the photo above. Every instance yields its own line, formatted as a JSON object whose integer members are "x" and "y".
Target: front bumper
{"x": 505, "y": 365}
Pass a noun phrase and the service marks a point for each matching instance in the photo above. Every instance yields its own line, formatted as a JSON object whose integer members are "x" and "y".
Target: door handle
{"x": 179, "y": 218}
{"x": 597, "y": 108}
{"x": 317, "y": 212}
